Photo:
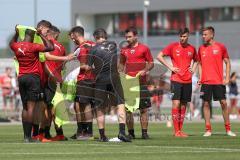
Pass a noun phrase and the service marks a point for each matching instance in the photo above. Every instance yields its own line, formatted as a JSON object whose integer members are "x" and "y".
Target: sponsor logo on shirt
{"x": 21, "y": 51}
{"x": 57, "y": 47}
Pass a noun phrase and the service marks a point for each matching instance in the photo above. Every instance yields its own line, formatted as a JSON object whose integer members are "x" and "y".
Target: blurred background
{"x": 157, "y": 21}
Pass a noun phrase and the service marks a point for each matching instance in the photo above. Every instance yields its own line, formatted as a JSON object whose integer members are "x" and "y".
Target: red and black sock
{"x": 175, "y": 119}
{"x": 182, "y": 117}
{"x": 227, "y": 126}
{"x": 208, "y": 128}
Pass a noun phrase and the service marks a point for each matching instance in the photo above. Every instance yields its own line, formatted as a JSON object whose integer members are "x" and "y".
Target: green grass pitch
{"x": 162, "y": 145}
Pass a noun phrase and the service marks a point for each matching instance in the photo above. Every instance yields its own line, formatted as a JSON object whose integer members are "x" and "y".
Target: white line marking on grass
{"x": 122, "y": 152}
{"x": 203, "y": 149}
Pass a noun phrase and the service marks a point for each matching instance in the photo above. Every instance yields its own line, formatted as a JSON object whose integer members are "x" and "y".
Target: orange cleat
{"x": 180, "y": 134}
{"x": 35, "y": 137}
{"x": 177, "y": 134}
{"x": 41, "y": 138}
{"x": 44, "y": 140}
{"x": 183, "y": 134}
{"x": 59, "y": 138}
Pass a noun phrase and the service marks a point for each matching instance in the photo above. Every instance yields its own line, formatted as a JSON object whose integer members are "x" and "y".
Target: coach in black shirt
{"x": 108, "y": 88}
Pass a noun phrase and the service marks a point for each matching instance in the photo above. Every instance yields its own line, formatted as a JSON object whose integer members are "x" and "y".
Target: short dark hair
{"x": 30, "y": 33}
{"x": 44, "y": 23}
{"x": 183, "y": 31}
{"x": 100, "y": 33}
{"x": 132, "y": 29}
{"x": 209, "y": 28}
{"x": 77, "y": 29}
{"x": 54, "y": 29}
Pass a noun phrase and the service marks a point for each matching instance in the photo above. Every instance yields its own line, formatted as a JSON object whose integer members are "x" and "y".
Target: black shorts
{"x": 85, "y": 92}
{"x": 181, "y": 91}
{"x": 29, "y": 88}
{"x": 106, "y": 94}
{"x": 218, "y": 92}
{"x": 49, "y": 92}
{"x": 145, "y": 97}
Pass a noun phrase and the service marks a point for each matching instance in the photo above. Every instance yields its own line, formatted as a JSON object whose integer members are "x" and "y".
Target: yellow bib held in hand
{"x": 131, "y": 90}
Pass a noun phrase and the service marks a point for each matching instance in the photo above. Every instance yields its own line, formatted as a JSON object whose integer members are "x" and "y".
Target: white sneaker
{"x": 207, "y": 134}
{"x": 196, "y": 113}
{"x": 231, "y": 134}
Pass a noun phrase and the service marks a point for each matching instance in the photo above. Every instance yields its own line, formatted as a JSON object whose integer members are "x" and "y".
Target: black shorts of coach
{"x": 109, "y": 94}
{"x": 217, "y": 92}
{"x": 181, "y": 91}
{"x": 49, "y": 91}
{"x": 85, "y": 92}
{"x": 29, "y": 88}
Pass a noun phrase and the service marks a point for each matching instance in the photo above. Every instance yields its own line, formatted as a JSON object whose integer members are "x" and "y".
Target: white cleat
{"x": 231, "y": 134}
{"x": 207, "y": 134}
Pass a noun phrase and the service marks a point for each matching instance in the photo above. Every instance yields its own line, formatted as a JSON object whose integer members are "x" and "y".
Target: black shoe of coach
{"x": 124, "y": 138}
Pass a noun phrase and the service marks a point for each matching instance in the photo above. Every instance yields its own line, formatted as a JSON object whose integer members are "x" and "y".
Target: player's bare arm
{"x": 161, "y": 59}
{"x": 228, "y": 69}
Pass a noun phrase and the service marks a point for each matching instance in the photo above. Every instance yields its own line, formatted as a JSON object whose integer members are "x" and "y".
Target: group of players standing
{"x": 99, "y": 84}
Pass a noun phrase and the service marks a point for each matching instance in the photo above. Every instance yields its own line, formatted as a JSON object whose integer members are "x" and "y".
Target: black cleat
{"x": 74, "y": 136}
{"x": 131, "y": 136}
{"x": 124, "y": 138}
{"x": 145, "y": 136}
{"x": 103, "y": 139}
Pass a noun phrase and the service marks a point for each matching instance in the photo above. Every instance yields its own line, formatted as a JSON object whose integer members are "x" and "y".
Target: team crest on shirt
{"x": 132, "y": 51}
{"x": 215, "y": 51}
{"x": 189, "y": 53}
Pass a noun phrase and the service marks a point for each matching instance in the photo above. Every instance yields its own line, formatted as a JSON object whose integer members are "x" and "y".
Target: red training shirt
{"x": 135, "y": 59}
{"x": 181, "y": 58}
{"x": 83, "y": 58}
{"x": 27, "y": 55}
{"x": 55, "y": 67}
{"x": 211, "y": 59}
